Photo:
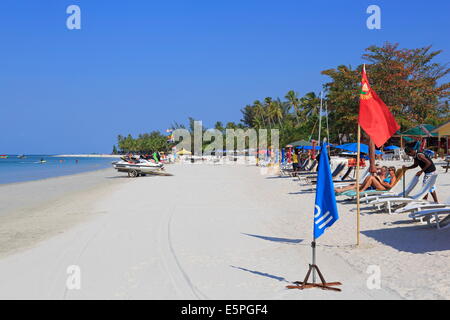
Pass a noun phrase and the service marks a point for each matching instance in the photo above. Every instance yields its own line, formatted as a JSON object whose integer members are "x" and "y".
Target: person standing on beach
{"x": 295, "y": 160}
{"x": 426, "y": 165}
{"x": 156, "y": 156}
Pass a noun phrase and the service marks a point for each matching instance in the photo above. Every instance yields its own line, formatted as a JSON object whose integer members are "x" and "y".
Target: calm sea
{"x": 14, "y": 169}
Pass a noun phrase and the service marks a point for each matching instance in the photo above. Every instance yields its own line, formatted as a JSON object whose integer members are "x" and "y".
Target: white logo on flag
{"x": 318, "y": 212}
{"x": 318, "y": 218}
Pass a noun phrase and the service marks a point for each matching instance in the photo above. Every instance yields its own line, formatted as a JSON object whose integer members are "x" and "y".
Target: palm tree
{"x": 277, "y": 110}
{"x": 308, "y": 103}
{"x": 268, "y": 110}
{"x": 219, "y": 126}
{"x": 259, "y": 111}
{"x": 292, "y": 98}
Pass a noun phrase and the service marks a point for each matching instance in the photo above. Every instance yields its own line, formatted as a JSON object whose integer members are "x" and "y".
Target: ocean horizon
{"x": 30, "y": 167}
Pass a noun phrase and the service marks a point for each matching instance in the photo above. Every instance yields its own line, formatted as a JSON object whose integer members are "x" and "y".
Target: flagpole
{"x": 320, "y": 115}
{"x": 358, "y": 156}
{"x": 313, "y": 244}
{"x": 328, "y": 129}
{"x": 357, "y": 184}
{"x": 325, "y": 214}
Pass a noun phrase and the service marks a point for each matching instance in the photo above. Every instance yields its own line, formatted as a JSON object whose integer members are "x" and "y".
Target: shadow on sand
{"x": 118, "y": 177}
{"x": 413, "y": 239}
{"x": 126, "y": 177}
{"x": 274, "y": 239}
{"x": 267, "y": 275}
{"x": 278, "y": 177}
{"x": 303, "y": 192}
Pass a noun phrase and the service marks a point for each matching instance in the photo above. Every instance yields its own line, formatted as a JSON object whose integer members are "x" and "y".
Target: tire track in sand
{"x": 171, "y": 264}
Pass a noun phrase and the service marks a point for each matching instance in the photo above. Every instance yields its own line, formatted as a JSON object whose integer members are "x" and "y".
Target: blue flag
{"x": 325, "y": 213}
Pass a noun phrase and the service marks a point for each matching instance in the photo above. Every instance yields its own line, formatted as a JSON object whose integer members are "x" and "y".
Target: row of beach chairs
{"x": 406, "y": 201}
{"x": 394, "y": 202}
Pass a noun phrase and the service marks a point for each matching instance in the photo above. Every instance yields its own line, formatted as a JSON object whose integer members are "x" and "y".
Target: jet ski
{"x": 137, "y": 167}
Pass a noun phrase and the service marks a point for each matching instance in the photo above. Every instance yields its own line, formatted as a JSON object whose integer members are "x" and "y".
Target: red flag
{"x": 374, "y": 116}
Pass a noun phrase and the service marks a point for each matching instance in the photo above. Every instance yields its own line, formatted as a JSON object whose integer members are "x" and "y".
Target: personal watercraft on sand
{"x": 137, "y": 167}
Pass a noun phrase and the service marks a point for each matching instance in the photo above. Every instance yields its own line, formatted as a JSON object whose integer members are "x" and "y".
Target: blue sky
{"x": 139, "y": 65}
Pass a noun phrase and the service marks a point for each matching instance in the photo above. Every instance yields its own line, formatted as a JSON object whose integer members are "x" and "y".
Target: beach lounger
{"x": 389, "y": 202}
{"x": 312, "y": 178}
{"x": 304, "y": 163}
{"x": 434, "y": 216}
{"x": 308, "y": 170}
{"x": 336, "y": 171}
{"x": 418, "y": 206}
{"x": 285, "y": 169}
{"x": 408, "y": 189}
{"x": 339, "y": 184}
{"x": 301, "y": 174}
{"x": 301, "y": 168}
{"x": 364, "y": 195}
{"x": 344, "y": 178}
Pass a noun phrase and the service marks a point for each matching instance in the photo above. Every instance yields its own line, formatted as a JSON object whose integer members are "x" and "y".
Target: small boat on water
{"x": 3, "y": 156}
{"x": 21, "y": 156}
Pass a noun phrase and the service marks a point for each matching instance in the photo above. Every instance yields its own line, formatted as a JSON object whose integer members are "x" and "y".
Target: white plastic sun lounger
{"x": 390, "y": 194}
{"x": 421, "y": 205}
{"x": 312, "y": 179}
{"x": 433, "y": 216}
{"x": 390, "y": 201}
{"x": 368, "y": 195}
{"x": 285, "y": 170}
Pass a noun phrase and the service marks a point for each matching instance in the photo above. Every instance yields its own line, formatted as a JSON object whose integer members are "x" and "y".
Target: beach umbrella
{"x": 184, "y": 152}
{"x": 391, "y": 148}
{"x": 326, "y": 144}
{"x": 299, "y": 143}
{"x": 310, "y": 148}
{"x": 315, "y": 148}
{"x": 423, "y": 130}
{"x": 353, "y": 147}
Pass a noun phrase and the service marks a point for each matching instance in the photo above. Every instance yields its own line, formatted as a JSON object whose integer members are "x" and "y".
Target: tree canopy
{"x": 409, "y": 81}
{"x": 144, "y": 143}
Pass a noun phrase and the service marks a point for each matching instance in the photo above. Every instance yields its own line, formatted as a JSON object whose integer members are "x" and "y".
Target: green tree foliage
{"x": 409, "y": 81}
{"x": 144, "y": 143}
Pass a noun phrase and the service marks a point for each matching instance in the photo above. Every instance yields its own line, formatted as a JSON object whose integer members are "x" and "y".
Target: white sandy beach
{"x": 208, "y": 232}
